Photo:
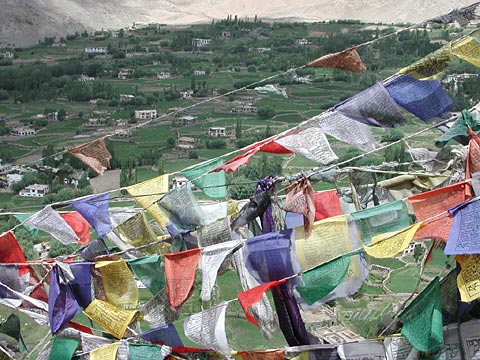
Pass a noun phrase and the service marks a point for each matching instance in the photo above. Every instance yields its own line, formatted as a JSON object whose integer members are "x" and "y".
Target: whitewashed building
{"x": 145, "y": 114}
{"x": 217, "y": 131}
{"x": 35, "y": 190}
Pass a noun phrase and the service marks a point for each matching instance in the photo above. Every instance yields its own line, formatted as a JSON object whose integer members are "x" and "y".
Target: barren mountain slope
{"x": 24, "y": 22}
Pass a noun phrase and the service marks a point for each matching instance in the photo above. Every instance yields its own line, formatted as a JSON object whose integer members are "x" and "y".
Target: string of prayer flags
{"x": 388, "y": 217}
{"x": 436, "y": 202}
{"x": 79, "y": 225}
{"x": 144, "y": 351}
{"x": 468, "y": 279}
{"x": 344, "y": 60}
{"x": 458, "y": 131}
{"x": 82, "y": 284}
{"x": 113, "y": 319}
{"x": 431, "y": 65}
{"x": 106, "y": 352}
{"x": 462, "y": 16}
{"x": 207, "y": 328}
{"x": 165, "y": 334}
{"x": 11, "y": 327}
{"x": 22, "y": 217}
{"x": 390, "y": 244}
{"x": 373, "y": 106}
{"x": 182, "y": 208}
{"x": 310, "y": 143}
{"x": 136, "y": 231}
{"x": 212, "y": 258}
{"x": 464, "y": 233}
{"x": 422, "y": 319}
{"x": 63, "y": 348}
{"x": 157, "y": 310}
{"x": 267, "y": 256}
{"x": 119, "y": 283}
{"x": 213, "y": 184}
{"x": 327, "y": 204}
{"x": 277, "y": 354}
{"x": 150, "y": 271}
{"x": 468, "y": 48}
{"x": 251, "y": 296}
{"x": 11, "y": 252}
{"x": 180, "y": 275}
{"x": 52, "y": 223}
{"x": 95, "y": 210}
{"x": 319, "y": 282}
{"x": 300, "y": 200}
{"x": 425, "y": 99}
{"x": 94, "y": 154}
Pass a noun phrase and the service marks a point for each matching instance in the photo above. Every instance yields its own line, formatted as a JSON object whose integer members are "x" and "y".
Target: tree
{"x": 238, "y": 129}
{"x": 266, "y": 112}
{"x": 61, "y": 114}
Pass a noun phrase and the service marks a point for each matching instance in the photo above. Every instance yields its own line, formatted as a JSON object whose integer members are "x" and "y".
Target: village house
{"x": 125, "y": 97}
{"x": 225, "y": 34}
{"x": 42, "y": 249}
{"x": 199, "y": 72}
{"x": 12, "y": 179}
{"x": 7, "y": 55}
{"x": 262, "y": 50}
{"x": 58, "y": 44}
{"x": 52, "y": 116}
{"x": 302, "y": 42}
{"x": 217, "y": 131}
{"x": 186, "y": 120}
{"x": 86, "y": 78}
{"x": 216, "y": 92}
{"x": 24, "y": 131}
{"x": 145, "y": 114}
{"x": 179, "y": 181}
{"x": 185, "y": 143}
{"x": 249, "y": 108}
{"x": 187, "y": 94}
{"x": 35, "y": 190}
{"x": 124, "y": 74}
{"x": 96, "y": 50}
{"x": 121, "y": 133}
{"x": 163, "y": 75}
{"x": 196, "y": 42}
{"x": 96, "y": 122}
{"x": 247, "y": 100}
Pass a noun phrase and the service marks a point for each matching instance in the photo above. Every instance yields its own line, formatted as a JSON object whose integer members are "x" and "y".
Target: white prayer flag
{"x": 51, "y": 222}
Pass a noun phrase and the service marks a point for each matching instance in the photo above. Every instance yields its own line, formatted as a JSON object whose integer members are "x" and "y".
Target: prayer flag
{"x": 51, "y": 222}
{"x": 422, "y": 319}
{"x": 255, "y": 207}
{"x": 431, "y": 65}
{"x": 119, "y": 283}
{"x": 212, "y": 258}
{"x": 397, "y": 348}
{"x": 207, "y": 328}
{"x": 473, "y": 159}
{"x": 82, "y": 284}
{"x": 468, "y": 48}
{"x": 392, "y": 243}
{"x": 180, "y": 275}
{"x": 147, "y": 352}
{"x": 468, "y": 279}
{"x": 213, "y": 184}
{"x": 469, "y": 338}
{"x": 79, "y": 225}
{"x": 110, "y": 317}
{"x": 372, "y": 349}
{"x": 63, "y": 348}
{"x": 157, "y": 310}
{"x": 107, "y": 352}
{"x": 267, "y": 256}
{"x": 251, "y": 296}
{"x": 432, "y": 203}
{"x": 344, "y": 60}
{"x": 150, "y": 270}
{"x": 11, "y": 327}
{"x": 300, "y": 199}
{"x": 165, "y": 334}
{"x": 214, "y": 233}
{"x": 310, "y": 143}
{"x": 459, "y": 129}
{"x": 95, "y": 210}
{"x": 22, "y": 217}
{"x": 93, "y": 154}
{"x": 62, "y": 305}
{"x": 95, "y": 248}
{"x": 11, "y": 252}
{"x": 136, "y": 231}
{"x": 327, "y": 204}
{"x": 462, "y": 16}
{"x": 373, "y": 106}
{"x": 277, "y": 354}
{"x": 234, "y": 163}
{"x": 425, "y": 99}
{"x": 465, "y": 233}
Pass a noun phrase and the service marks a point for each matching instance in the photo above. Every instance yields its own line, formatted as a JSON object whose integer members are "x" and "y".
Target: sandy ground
{"x": 110, "y": 180}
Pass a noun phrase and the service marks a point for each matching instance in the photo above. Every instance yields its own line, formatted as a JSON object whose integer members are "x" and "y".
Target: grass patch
{"x": 404, "y": 280}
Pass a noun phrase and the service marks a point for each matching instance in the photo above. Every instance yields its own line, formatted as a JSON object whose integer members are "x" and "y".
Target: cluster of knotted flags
{"x": 306, "y": 249}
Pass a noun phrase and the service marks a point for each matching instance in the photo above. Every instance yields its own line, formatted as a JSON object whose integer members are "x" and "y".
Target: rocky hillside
{"x": 24, "y": 22}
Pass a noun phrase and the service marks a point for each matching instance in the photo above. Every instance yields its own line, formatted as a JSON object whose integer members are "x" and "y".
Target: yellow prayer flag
{"x": 107, "y": 352}
{"x": 110, "y": 317}
{"x": 468, "y": 280}
{"x": 330, "y": 238}
{"x": 147, "y": 194}
{"x": 468, "y": 48}
{"x": 389, "y": 244}
{"x": 428, "y": 67}
{"x": 119, "y": 283}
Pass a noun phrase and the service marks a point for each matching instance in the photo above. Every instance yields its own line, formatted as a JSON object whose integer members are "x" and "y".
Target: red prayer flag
{"x": 277, "y": 354}
{"x": 327, "y": 204}
{"x": 234, "y": 163}
{"x": 434, "y": 202}
{"x": 80, "y": 327}
{"x": 300, "y": 199}
{"x": 95, "y": 154}
{"x": 268, "y": 145}
{"x": 11, "y": 252}
{"x": 249, "y": 297}
{"x": 180, "y": 274}
{"x": 344, "y": 60}
{"x": 473, "y": 159}
{"x": 79, "y": 225}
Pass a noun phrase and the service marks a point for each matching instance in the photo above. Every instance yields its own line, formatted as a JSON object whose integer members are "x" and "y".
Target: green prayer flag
{"x": 147, "y": 352}
{"x": 422, "y": 319}
{"x": 63, "y": 348}
{"x": 11, "y": 327}
{"x": 212, "y": 184}
{"x": 388, "y": 217}
{"x": 22, "y": 217}
{"x": 151, "y": 272}
{"x": 459, "y": 128}
{"x": 319, "y": 282}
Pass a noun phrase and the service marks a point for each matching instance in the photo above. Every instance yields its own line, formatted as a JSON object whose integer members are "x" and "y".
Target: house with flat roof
{"x": 217, "y": 131}
{"x": 35, "y": 190}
